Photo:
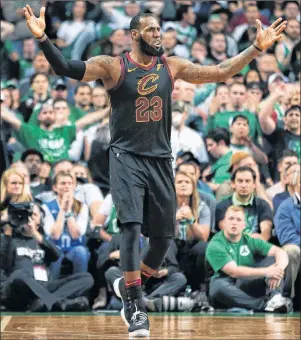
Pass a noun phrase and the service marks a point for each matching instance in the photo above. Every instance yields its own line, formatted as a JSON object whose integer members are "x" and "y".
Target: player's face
{"x": 234, "y": 223}
{"x": 184, "y": 186}
{"x": 149, "y": 38}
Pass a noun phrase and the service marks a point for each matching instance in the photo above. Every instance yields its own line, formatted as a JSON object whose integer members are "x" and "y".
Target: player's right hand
{"x": 274, "y": 272}
{"x": 36, "y": 25}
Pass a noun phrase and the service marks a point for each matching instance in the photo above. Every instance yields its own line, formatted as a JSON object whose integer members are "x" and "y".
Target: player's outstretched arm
{"x": 93, "y": 69}
{"x": 191, "y": 73}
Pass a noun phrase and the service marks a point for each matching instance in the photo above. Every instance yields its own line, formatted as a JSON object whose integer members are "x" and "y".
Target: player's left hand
{"x": 266, "y": 38}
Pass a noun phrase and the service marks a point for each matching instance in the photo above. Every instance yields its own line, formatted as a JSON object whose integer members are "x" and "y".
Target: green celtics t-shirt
{"x": 112, "y": 227}
{"x": 75, "y": 114}
{"x": 54, "y": 145}
{"x": 221, "y": 251}
{"x": 224, "y": 119}
{"x": 220, "y": 169}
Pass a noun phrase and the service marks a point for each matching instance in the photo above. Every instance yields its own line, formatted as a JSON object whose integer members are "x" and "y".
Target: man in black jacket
{"x": 25, "y": 257}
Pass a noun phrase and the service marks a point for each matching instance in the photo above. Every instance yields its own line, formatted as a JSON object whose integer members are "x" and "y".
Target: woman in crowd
{"x": 66, "y": 222}
{"x": 13, "y": 185}
{"x": 192, "y": 231}
{"x": 13, "y": 189}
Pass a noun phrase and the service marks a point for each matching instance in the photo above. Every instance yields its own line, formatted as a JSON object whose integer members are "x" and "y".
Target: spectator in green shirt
{"x": 239, "y": 280}
{"x": 54, "y": 143}
{"x": 59, "y": 92}
{"x": 241, "y": 141}
{"x": 238, "y": 104}
{"x": 218, "y": 145}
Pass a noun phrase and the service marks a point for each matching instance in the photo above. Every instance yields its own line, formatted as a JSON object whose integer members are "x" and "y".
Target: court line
{"x": 4, "y": 322}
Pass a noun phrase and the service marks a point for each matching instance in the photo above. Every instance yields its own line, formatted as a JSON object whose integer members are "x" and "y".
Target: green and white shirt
{"x": 224, "y": 119}
{"x": 54, "y": 145}
{"x": 108, "y": 209}
{"x": 221, "y": 251}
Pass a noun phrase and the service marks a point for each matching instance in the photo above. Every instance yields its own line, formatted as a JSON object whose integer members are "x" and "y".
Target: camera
{"x": 19, "y": 213}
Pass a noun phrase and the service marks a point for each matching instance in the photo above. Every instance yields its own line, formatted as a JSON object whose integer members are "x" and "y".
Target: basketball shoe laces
{"x": 138, "y": 318}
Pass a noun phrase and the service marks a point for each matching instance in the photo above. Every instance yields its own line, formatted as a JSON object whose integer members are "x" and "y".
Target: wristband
{"x": 257, "y": 48}
{"x": 42, "y": 36}
{"x": 68, "y": 215}
{"x": 191, "y": 221}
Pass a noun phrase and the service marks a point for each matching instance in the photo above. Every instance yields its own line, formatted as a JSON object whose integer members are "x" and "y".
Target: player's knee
{"x": 130, "y": 236}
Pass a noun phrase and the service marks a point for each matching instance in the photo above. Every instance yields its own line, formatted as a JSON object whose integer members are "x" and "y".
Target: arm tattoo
{"x": 201, "y": 74}
{"x": 98, "y": 67}
{"x": 217, "y": 73}
{"x": 232, "y": 66}
{"x": 100, "y": 60}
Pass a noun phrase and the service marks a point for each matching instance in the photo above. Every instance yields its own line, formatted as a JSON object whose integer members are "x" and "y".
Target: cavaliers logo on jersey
{"x": 145, "y": 84}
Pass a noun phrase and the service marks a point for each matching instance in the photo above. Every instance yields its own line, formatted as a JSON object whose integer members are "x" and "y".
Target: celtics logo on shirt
{"x": 244, "y": 250}
{"x": 112, "y": 225}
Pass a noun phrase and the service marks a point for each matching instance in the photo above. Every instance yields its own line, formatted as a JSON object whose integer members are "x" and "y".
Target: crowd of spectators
{"x": 234, "y": 144}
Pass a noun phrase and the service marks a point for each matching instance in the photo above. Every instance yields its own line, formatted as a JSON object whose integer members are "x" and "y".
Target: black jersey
{"x": 140, "y": 122}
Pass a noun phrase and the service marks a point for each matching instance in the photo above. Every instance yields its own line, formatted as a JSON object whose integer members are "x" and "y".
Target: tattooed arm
{"x": 187, "y": 71}
{"x": 197, "y": 74}
{"x": 98, "y": 67}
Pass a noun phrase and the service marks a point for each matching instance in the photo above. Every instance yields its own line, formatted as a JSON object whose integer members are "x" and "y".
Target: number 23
{"x": 148, "y": 109}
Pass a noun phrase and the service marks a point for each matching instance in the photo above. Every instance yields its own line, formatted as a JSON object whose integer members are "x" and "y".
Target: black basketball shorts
{"x": 143, "y": 192}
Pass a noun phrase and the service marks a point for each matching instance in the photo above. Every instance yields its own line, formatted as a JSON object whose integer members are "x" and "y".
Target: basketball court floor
{"x": 109, "y": 326}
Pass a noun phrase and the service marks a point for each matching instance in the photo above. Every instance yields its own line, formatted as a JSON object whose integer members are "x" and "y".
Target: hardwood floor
{"x": 166, "y": 326}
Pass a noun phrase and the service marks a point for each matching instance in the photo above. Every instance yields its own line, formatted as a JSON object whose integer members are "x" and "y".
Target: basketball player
{"x": 140, "y": 84}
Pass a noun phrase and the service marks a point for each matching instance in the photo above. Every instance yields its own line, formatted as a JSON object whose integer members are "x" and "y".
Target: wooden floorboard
{"x": 108, "y": 327}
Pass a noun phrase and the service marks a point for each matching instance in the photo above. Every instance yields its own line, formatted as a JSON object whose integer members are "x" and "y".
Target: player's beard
{"x": 147, "y": 49}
